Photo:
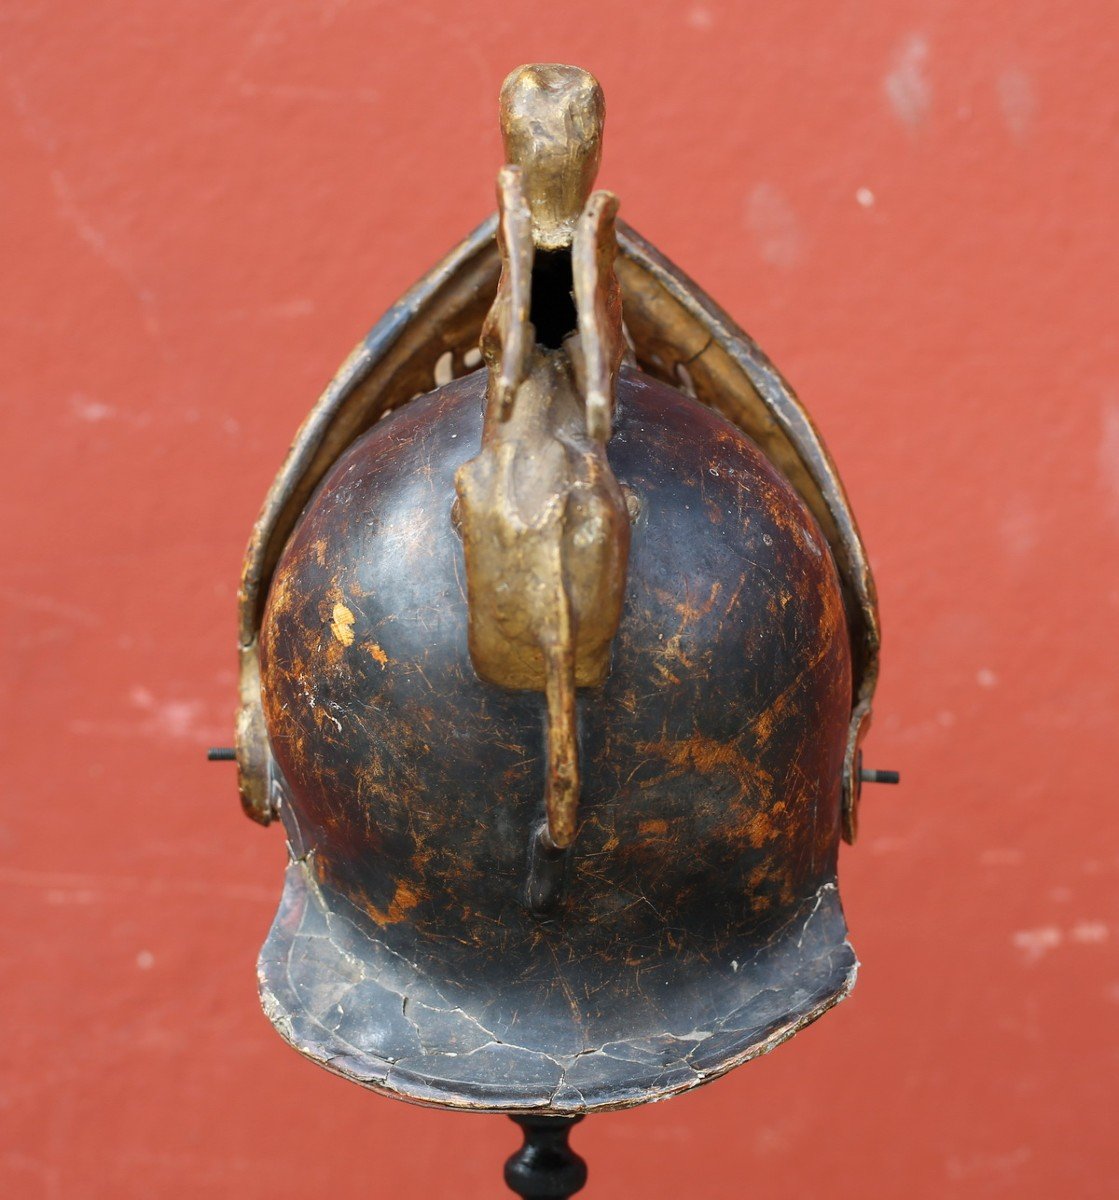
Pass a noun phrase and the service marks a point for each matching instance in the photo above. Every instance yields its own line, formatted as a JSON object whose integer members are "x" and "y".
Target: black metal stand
{"x": 545, "y": 1167}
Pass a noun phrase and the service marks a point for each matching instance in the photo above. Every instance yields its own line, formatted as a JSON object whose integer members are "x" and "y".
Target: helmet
{"x": 558, "y": 643}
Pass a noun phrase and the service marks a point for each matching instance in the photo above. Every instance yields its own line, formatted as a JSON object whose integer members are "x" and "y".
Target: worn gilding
{"x": 545, "y": 527}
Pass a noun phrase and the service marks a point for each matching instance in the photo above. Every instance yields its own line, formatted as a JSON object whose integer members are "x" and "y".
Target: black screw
{"x": 221, "y": 754}
{"x": 868, "y": 776}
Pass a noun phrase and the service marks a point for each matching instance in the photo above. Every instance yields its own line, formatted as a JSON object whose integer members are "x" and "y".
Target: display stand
{"x": 545, "y": 1167}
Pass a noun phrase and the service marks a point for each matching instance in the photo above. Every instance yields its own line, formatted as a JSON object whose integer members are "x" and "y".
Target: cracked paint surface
{"x": 701, "y": 923}
{"x": 343, "y": 997}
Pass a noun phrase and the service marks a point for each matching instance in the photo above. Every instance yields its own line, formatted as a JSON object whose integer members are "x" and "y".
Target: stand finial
{"x": 545, "y": 1167}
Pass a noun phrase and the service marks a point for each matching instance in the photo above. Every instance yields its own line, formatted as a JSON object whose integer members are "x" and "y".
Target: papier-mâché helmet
{"x": 558, "y": 644}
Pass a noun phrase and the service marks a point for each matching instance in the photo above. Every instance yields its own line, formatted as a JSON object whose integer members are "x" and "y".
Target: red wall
{"x": 911, "y": 205}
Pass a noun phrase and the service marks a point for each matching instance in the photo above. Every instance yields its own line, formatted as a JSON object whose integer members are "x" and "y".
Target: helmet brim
{"x": 339, "y": 995}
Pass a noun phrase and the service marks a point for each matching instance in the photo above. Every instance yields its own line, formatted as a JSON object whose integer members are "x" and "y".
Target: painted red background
{"x": 911, "y": 205}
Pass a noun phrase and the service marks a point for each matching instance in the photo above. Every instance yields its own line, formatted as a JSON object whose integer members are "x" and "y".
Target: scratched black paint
{"x": 701, "y": 922}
